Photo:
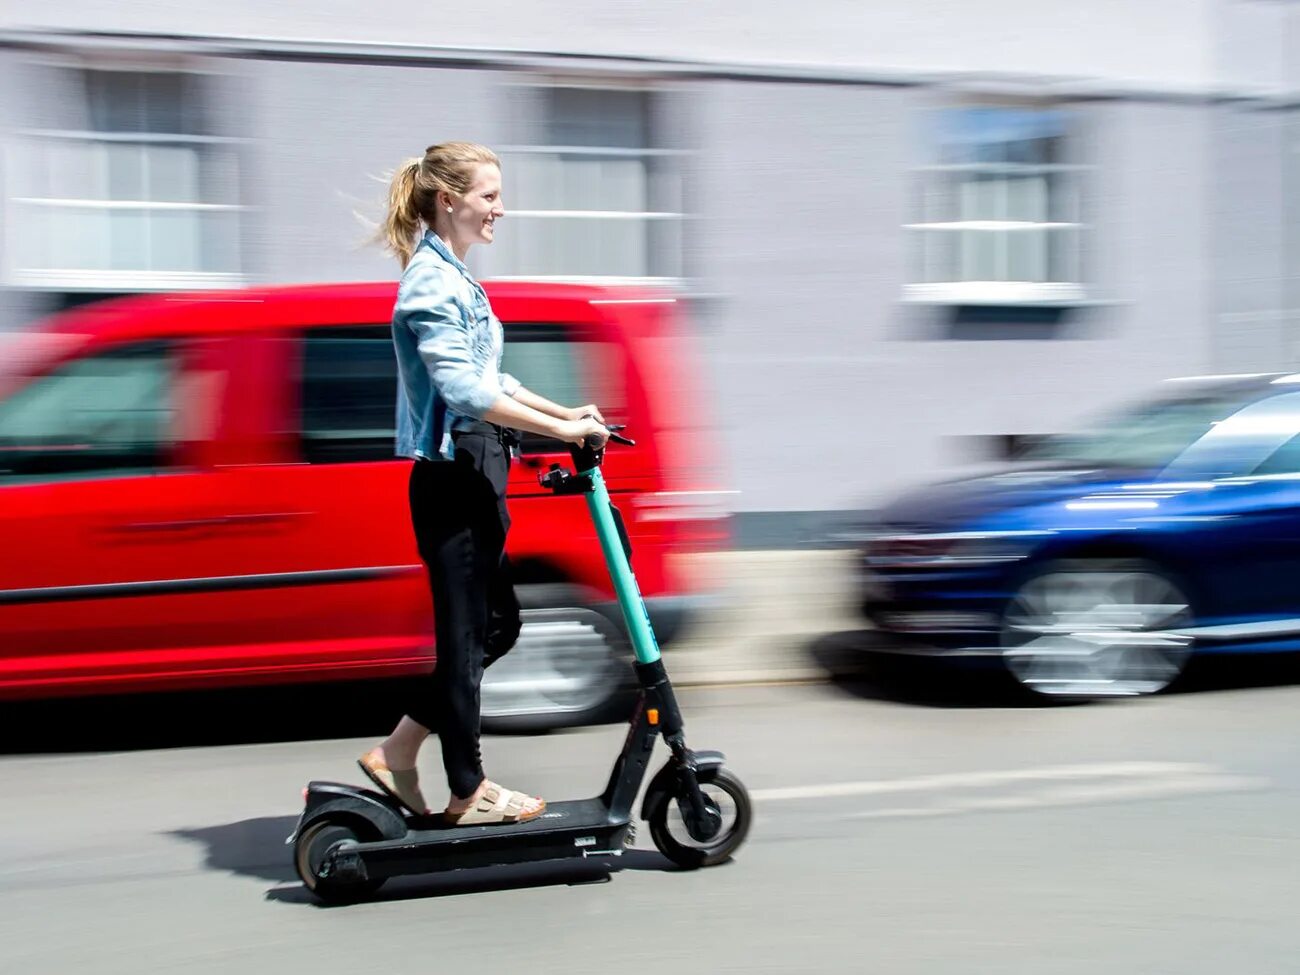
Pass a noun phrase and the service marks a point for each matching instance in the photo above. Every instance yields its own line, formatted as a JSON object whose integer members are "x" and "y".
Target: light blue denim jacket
{"x": 448, "y": 346}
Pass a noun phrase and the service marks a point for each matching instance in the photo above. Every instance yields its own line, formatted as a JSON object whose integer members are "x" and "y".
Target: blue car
{"x": 1098, "y": 562}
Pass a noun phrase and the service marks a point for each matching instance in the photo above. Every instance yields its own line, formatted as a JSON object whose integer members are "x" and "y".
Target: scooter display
{"x": 349, "y": 840}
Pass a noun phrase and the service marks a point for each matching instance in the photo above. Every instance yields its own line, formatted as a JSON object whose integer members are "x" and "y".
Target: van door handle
{"x": 264, "y": 517}
{"x": 216, "y": 521}
{"x": 178, "y": 525}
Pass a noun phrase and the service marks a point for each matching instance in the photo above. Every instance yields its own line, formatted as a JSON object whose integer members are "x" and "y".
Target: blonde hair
{"x": 413, "y": 192}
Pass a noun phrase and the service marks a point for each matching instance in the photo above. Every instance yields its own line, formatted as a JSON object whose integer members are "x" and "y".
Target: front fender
{"x": 664, "y": 783}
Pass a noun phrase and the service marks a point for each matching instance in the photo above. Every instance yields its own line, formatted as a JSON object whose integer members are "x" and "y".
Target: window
{"x": 1284, "y": 460}
{"x": 566, "y": 367}
{"x": 596, "y": 194}
{"x": 999, "y": 210}
{"x": 111, "y": 412}
{"x": 349, "y": 386}
{"x": 124, "y": 187}
{"x": 350, "y": 382}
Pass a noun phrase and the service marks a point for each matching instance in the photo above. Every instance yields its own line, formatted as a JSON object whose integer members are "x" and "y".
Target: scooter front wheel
{"x": 669, "y": 831}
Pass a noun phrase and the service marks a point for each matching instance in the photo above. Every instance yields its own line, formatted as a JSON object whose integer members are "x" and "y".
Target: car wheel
{"x": 570, "y": 666}
{"x": 1097, "y": 628}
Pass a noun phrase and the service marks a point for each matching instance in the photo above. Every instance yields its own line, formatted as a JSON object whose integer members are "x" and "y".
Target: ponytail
{"x": 401, "y": 227}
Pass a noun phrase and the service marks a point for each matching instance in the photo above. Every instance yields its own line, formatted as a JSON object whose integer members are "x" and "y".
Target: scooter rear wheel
{"x": 668, "y": 826}
{"x": 309, "y": 853}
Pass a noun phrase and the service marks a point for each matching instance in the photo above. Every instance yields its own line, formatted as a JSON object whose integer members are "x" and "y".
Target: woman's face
{"x": 474, "y": 214}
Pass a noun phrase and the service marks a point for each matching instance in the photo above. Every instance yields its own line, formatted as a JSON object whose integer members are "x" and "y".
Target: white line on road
{"x": 1028, "y": 788}
{"x": 977, "y": 780}
{"x": 1076, "y": 795}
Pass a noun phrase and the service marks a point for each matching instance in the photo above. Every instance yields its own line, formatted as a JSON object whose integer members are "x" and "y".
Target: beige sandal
{"x": 496, "y": 805}
{"x": 402, "y": 784}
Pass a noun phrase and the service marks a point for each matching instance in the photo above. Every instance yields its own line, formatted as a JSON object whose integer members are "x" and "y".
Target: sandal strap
{"x": 506, "y": 803}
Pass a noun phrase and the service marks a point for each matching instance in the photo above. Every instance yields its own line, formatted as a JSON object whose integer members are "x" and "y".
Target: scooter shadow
{"x": 256, "y": 848}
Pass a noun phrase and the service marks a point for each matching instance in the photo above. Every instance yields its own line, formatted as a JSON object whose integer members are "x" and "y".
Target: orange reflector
{"x": 652, "y": 715}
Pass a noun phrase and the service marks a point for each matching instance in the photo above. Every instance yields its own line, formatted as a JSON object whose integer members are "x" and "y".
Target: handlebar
{"x": 616, "y": 437}
{"x": 585, "y": 458}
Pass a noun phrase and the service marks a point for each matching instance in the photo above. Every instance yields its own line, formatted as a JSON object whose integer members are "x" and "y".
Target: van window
{"x": 349, "y": 387}
{"x": 110, "y": 412}
{"x": 568, "y": 366}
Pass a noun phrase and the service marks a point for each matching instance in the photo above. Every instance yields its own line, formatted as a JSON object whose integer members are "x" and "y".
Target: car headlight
{"x": 948, "y": 549}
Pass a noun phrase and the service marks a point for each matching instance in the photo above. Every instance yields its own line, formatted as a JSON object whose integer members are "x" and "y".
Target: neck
{"x": 457, "y": 248}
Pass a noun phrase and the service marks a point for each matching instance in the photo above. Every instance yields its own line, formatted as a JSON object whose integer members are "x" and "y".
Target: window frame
{"x": 22, "y": 271}
{"x": 1000, "y": 290}
{"x": 659, "y": 256}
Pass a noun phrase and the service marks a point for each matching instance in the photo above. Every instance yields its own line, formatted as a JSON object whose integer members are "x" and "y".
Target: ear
{"x": 443, "y": 199}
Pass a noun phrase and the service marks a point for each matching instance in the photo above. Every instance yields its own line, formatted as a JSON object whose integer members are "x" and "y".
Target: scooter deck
{"x": 567, "y": 829}
{"x": 564, "y": 814}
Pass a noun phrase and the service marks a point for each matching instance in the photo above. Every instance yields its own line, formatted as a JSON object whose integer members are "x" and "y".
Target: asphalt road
{"x": 947, "y": 831}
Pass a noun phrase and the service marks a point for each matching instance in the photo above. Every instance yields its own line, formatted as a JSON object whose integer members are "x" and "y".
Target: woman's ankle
{"x": 395, "y": 755}
{"x": 464, "y": 802}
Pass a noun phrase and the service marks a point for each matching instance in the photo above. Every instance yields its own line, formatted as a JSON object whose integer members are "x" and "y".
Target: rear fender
{"x": 347, "y": 804}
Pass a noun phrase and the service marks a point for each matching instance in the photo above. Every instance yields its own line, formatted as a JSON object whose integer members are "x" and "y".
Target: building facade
{"x": 902, "y": 231}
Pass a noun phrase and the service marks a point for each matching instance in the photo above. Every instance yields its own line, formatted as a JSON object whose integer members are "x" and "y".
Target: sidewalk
{"x": 771, "y": 606}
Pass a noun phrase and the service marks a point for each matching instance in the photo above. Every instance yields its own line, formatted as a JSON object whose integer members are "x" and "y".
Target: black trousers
{"x": 458, "y": 510}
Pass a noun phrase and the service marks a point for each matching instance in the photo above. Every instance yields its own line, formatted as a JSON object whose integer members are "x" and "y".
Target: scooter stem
{"x": 644, "y": 644}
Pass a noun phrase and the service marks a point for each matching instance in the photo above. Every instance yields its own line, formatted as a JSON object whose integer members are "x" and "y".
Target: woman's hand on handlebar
{"x": 578, "y": 412}
{"x": 581, "y": 430}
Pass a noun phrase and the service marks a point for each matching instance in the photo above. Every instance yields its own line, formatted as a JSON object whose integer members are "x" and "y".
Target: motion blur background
{"x": 906, "y": 230}
{"x": 904, "y": 234}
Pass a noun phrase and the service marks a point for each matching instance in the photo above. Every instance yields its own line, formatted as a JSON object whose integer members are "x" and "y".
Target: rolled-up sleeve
{"x": 509, "y": 384}
{"x": 427, "y": 305}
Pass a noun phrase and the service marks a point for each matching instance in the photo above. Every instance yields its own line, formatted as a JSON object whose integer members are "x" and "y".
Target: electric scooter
{"x": 349, "y": 840}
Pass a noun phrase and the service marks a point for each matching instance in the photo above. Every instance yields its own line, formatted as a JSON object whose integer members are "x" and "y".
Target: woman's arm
{"x": 511, "y": 412}
{"x": 541, "y": 404}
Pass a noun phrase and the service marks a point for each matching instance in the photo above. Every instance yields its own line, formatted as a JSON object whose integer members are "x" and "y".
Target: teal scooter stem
{"x": 612, "y": 537}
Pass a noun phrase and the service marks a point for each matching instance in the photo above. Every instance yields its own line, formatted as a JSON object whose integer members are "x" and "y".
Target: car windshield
{"x": 1150, "y": 435}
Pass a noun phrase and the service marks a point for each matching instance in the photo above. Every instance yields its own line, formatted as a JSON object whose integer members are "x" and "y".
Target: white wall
{"x": 1150, "y": 42}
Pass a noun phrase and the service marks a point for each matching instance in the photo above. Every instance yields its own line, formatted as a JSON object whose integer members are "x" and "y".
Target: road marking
{"x": 1054, "y": 785}
{"x": 977, "y": 780}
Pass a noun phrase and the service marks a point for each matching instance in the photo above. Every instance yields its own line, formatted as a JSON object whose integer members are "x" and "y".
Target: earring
{"x": 449, "y": 209}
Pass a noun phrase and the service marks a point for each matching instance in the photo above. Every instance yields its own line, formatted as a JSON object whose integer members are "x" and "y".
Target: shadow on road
{"x": 854, "y": 661}
{"x": 256, "y": 848}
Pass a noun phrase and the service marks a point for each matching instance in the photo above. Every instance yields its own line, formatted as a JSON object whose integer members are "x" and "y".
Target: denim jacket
{"x": 448, "y": 346}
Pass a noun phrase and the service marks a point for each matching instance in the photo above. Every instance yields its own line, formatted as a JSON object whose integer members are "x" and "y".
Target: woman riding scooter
{"x": 455, "y": 414}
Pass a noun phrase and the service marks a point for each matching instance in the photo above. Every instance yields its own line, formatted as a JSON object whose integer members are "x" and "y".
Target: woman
{"x": 455, "y": 410}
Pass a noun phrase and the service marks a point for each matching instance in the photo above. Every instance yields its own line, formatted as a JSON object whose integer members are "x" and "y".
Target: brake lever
{"x": 613, "y": 429}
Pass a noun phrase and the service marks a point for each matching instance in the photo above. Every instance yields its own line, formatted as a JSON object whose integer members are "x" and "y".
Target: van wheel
{"x": 571, "y": 666}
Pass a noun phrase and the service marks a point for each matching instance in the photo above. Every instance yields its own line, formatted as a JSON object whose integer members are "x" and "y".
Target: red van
{"x": 200, "y": 490}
